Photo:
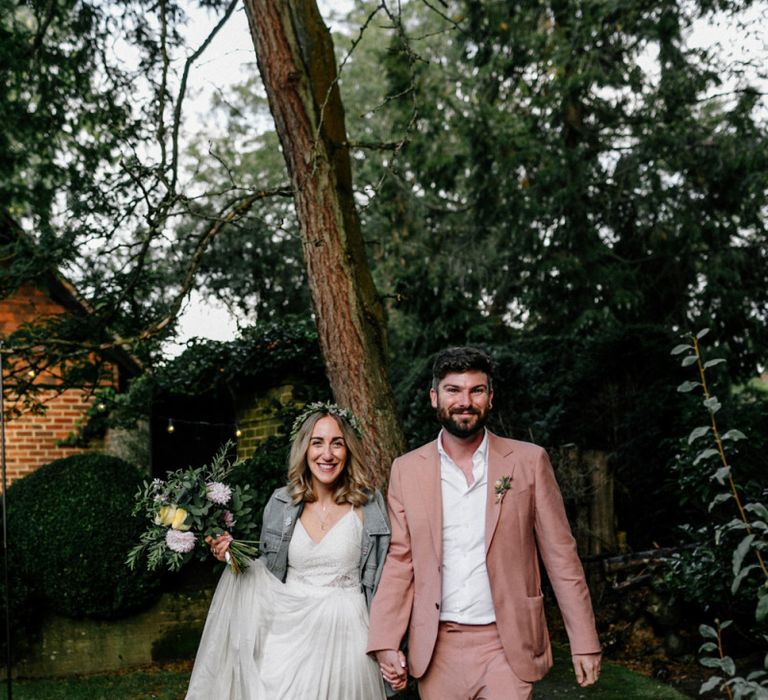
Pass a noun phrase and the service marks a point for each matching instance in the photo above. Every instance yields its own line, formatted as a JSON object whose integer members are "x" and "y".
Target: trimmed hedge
{"x": 70, "y": 527}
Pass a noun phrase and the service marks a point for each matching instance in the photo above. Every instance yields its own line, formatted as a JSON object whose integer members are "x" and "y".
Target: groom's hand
{"x": 587, "y": 667}
{"x": 393, "y": 667}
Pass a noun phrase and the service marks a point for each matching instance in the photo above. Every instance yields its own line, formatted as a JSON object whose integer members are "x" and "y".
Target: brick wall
{"x": 31, "y": 438}
{"x": 257, "y": 420}
{"x": 27, "y": 304}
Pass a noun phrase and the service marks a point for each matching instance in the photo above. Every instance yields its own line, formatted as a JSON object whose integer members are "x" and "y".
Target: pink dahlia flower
{"x": 218, "y": 493}
{"x": 181, "y": 542}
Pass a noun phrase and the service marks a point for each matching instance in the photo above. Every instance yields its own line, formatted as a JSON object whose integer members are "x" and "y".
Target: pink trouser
{"x": 468, "y": 663}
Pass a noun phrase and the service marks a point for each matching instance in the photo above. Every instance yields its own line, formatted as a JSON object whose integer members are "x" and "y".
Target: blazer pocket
{"x": 538, "y": 623}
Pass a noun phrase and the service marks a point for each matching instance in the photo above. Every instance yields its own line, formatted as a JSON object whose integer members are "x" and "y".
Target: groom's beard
{"x": 466, "y": 425}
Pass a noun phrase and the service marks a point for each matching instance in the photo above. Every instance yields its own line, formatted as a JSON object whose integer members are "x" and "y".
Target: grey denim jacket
{"x": 281, "y": 515}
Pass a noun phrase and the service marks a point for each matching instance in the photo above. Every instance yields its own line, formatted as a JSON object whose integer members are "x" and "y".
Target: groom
{"x": 471, "y": 513}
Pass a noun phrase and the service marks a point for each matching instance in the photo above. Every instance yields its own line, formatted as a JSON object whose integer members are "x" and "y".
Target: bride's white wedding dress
{"x": 301, "y": 640}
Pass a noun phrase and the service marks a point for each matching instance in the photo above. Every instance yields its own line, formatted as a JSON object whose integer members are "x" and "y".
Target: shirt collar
{"x": 481, "y": 451}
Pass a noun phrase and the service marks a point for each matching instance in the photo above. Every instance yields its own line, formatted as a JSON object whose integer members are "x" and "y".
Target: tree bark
{"x": 294, "y": 52}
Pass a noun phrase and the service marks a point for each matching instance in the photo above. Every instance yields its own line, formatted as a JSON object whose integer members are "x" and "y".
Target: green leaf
{"x": 720, "y": 498}
{"x": 713, "y": 363}
{"x": 710, "y": 684}
{"x": 680, "y": 348}
{"x": 740, "y": 552}
{"x": 696, "y": 433}
{"x": 721, "y": 475}
{"x": 741, "y": 576}
{"x": 688, "y": 361}
{"x": 734, "y": 435}
{"x": 728, "y": 666}
{"x": 685, "y": 387}
{"x": 762, "y": 608}
{"x": 712, "y": 404}
{"x": 707, "y": 632}
{"x": 756, "y": 675}
{"x": 705, "y": 454}
{"x": 758, "y": 508}
{"x": 702, "y": 333}
{"x": 707, "y": 646}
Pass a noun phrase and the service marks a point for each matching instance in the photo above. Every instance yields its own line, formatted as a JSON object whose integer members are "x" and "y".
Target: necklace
{"x": 323, "y": 520}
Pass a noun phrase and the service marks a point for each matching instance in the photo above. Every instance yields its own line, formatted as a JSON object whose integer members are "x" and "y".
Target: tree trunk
{"x": 294, "y": 51}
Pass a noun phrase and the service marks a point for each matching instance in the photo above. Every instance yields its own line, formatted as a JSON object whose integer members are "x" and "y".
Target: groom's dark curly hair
{"x": 461, "y": 359}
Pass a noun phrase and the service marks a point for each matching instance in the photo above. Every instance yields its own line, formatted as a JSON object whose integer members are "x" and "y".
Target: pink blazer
{"x": 529, "y": 521}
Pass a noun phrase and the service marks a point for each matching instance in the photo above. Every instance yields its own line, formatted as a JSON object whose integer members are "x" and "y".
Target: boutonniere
{"x": 502, "y": 486}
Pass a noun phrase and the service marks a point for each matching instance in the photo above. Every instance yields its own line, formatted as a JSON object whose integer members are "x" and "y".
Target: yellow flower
{"x": 178, "y": 520}
{"x": 165, "y": 516}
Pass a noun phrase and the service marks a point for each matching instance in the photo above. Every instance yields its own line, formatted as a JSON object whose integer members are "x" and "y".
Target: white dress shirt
{"x": 466, "y": 588}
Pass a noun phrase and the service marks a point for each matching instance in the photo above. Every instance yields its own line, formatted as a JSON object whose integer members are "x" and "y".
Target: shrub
{"x": 71, "y": 527}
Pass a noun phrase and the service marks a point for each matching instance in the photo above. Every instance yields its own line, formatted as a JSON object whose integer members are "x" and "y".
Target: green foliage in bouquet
{"x": 70, "y": 528}
{"x": 188, "y": 506}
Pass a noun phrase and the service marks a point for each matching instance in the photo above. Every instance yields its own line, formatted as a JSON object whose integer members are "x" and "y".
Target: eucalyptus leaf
{"x": 722, "y": 474}
{"x": 728, "y": 666}
{"x": 740, "y": 577}
{"x": 687, "y": 386}
{"x": 696, "y": 433}
{"x": 757, "y": 508}
{"x": 762, "y": 608}
{"x": 705, "y": 454}
{"x": 712, "y": 404}
{"x": 734, "y": 435}
{"x": 713, "y": 363}
{"x": 680, "y": 349}
{"x": 707, "y": 632}
{"x": 688, "y": 361}
{"x": 710, "y": 684}
{"x": 702, "y": 333}
{"x": 719, "y": 498}
{"x": 740, "y": 552}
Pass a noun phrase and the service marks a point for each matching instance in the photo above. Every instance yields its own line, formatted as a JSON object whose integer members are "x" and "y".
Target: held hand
{"x": 392, "y": 665}
{"x": 220, "y": 545}
{"x": 587, "y": 667}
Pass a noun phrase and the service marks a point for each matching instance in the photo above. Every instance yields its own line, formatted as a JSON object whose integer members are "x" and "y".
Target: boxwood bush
{"x": 70, "y": 526}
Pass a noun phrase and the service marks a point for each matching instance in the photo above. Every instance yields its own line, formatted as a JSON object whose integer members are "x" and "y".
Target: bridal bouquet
{"x": 188, "y": 506}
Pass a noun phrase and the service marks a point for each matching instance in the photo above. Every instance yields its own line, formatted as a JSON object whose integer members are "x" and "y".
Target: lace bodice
{"x": 334, "y": 561}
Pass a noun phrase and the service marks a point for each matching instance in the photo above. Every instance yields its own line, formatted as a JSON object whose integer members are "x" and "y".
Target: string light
{"x": 31, "y": 373}
{"x": 170, "y": 429}
{"x": 238, "y": 432}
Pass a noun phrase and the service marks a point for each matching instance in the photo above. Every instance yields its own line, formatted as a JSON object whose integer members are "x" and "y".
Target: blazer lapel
{"x": 499, "y": 464}
{"x": 428, "y": 480}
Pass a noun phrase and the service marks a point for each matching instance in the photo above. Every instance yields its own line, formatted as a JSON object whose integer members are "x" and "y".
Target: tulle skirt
{"x": 265, "y": 640}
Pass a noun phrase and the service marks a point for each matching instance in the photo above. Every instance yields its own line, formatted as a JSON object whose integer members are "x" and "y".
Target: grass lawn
{"x": 615, "y": 682}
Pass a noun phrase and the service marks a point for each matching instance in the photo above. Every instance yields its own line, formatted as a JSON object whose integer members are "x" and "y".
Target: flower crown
{"x": 329, "y": 408}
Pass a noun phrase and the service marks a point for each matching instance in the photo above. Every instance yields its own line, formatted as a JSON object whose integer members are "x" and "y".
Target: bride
{"x": 294, "y": 625}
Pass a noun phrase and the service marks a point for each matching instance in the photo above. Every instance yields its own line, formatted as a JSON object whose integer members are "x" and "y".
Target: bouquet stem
{"x": 241, "y": 553}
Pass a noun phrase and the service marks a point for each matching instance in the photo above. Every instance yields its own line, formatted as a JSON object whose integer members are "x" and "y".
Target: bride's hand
{"x": 220, "y": 545}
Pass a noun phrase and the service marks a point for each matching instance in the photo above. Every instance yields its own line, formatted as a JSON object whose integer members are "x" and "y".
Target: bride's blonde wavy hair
{"x": 355, "y": 483}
